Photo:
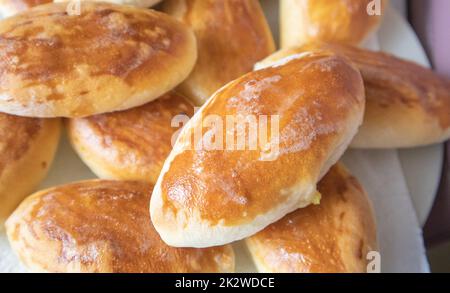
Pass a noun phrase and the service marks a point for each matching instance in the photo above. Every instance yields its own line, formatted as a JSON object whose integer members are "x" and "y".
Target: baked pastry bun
{"x": 216, "y": 190}
{"x": 407, "y": 104}
{"x": 231, "y": 35}
{"x": 131, "y": 144}
{"x": 332, "y": 237}
{"x": 27, "y": 148}
{"x": 345, "y": 21}
{"x": 109, "y": 58}
{"x": 101, "y": 226}
{"x": 137, "y": 3}
{"x": 11, "y": 7}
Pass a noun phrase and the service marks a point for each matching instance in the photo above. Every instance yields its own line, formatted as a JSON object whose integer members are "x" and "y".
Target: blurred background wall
{"x": 431, "y": 21}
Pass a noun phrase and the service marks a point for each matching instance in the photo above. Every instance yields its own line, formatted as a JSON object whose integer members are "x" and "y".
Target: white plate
{"x": 422, "y": 166}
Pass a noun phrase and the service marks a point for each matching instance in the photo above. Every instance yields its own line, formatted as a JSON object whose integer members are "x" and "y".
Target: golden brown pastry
{"x": 407, "y": 105}
{"x": 111, "y": 57}
{"x": 232, "y": 35}
{"x": 333, "y": 237}
{"x": 346, "y": 21}
{"x": 103, "y": 227}
{"x": 137, "y": 3}
{"x": 11, "y": 7}
{"x": 27, "y": 148}
{"x": 211, "y": 193}
{"x": 131, "y": 144}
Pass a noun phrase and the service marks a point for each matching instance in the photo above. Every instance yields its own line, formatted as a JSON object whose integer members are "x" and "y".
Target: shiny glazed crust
{"x": 345, "y": 21}
{"x": 232, "y": 36}
{"x": 131, "y": 144}
{"x": 332, "y": 237}
{"x": 27, "y": 148}
{"x": 206, "y": 197}
{"x": 101, "y": 226}
{"x": 109, "y": 58}
{"x": 407, "y": 104}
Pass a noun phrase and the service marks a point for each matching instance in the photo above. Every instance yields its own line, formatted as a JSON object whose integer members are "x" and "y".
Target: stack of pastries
{"x": 123, "y": 80}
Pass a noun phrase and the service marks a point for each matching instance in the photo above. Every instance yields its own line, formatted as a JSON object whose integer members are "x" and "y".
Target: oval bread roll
{"x": 345, "y": 21}
{"x": 131, "y": 144}
{"x": 11, "y": 7}
{"x": 219, "y": 193}
{"x": 109, "y": 58}
{"x": 333, "y": 237}
{"x": 232, "y": 36}
{"x": 101, "y": 226}
{"x": 407, "y": 105}
{"x": 27, "y": 148}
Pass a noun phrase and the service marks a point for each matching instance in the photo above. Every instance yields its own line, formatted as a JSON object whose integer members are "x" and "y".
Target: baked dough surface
{"x": 101, "y": 226}
{"x": 109, "y": 58}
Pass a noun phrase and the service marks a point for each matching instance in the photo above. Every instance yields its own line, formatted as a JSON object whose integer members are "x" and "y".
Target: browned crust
{"x": 101, "y": 226}
{"x": 131, "y": 144}
{"x": 344, "y": 21}
{"x": 27, "y": 148}
{"x": 232, "y": 36}
{"x": 111, "y": 57}
{"x": 333, "y": 237}
{"x": 407, "y": 104}
{"x": 320, "y": 102}
{"x": 17, "y": 134}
